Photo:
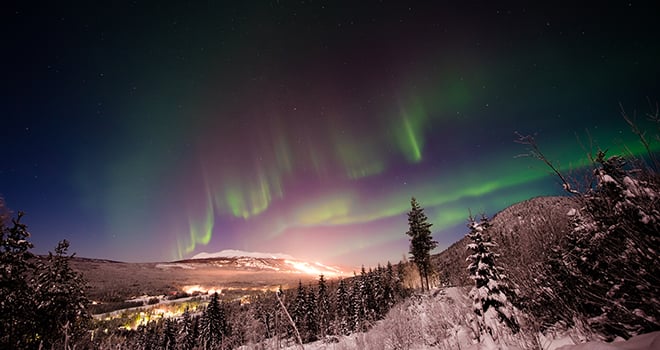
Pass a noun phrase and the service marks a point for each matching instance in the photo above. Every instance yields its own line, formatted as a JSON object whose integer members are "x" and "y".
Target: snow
{"x": 649, "y": 341}
{"x": 315, "y": 270}
{"x": 607, "y": 179}
{"x": 173, "y": 266}
{"x": 232, "y": 253}
{"x": 442, "y": 320}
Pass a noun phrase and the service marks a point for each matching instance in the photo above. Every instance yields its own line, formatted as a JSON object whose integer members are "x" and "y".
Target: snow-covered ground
{"x": 442, "y": 319}
{"x": 649, "y": 341}
{"x": 175, "y": 266}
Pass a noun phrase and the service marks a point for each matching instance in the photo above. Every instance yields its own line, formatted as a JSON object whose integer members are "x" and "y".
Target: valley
{"x": 117, "y": 285}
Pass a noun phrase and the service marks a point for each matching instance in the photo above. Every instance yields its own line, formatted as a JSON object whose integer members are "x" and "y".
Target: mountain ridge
{"x": 234, "y": 253}
{"x": 524, "y": 232}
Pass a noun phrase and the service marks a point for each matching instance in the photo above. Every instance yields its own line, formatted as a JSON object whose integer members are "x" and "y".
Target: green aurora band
{"x": 447, "y": 198}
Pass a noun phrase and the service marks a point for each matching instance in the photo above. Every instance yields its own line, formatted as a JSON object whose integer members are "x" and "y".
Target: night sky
{"x": 146, "y": 131}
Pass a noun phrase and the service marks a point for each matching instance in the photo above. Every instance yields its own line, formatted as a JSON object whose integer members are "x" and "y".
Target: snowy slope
{"x": 649, "y": 341}
{"x": 442, "y": 320}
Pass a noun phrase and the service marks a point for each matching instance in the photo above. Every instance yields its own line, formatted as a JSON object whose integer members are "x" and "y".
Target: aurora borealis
{"x": 151, "y": 131}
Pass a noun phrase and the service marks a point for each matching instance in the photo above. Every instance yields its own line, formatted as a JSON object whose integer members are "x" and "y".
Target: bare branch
{"x": 277, "y": 294}
{"x": 642, "y": 134}
{"x": 535, "y": 152}
{"x": 654, "y": 117}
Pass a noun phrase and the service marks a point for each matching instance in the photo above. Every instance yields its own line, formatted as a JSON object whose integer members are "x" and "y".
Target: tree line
{"x": 320, "y": 311}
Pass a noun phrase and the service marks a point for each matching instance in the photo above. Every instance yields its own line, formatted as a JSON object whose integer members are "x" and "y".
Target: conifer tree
{"x": 169, "y": 335}
{"x": 61, "y": 301}
{"x": 300, "y": 309}
{"x": 16, "y": 294}
{"x": 195, "y": 331}
{"x": 490, "y": 302}
{"x": 139, "y": 340}
{"x": 148, "y": 337}
{"x": 604, "y": 272}
{"x": 357, "y": 302}
{"x": 421, "y": 241}
{"x": 389, "y": 287}
{"x": 378, "y": 285}
{"x": 323, "y": 302}
{"x": 186, "y": 337}
{"x": 214, "y": 324}
{"x": 311, "y": 316}
{"x": 343, "y": 308}
{"x": 369, "y": 290}
{"x": 609, "y": 262}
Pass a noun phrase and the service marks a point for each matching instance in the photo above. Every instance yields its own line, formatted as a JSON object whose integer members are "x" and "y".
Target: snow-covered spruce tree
{"x": 610, "y": 257}
{"x": 195, "y": 331}
{"x": 421, "y": 241}
{"x": 214, "y": 327}
{"x": 169, "y": 335}
{"x": 16, "y": 293}
{"x": 311, "y": 316}
{"x": 368, "y": 297}
{"x": 364, "y": 299}
{"x": 299, "y": 311}
{"x": 358, "y": 303}
{"x": 185, "y": 336}
{"x": 389, "y": 287}
{"x": 323, "y": 302}
{"x": 343, "y": 307}
{"x": 607, "y": 267}
{"x": 379, "y": 285}
{"x": 490, "y": 303}
{"x": 62, "y": 314}
{"x": 147, "y": 337}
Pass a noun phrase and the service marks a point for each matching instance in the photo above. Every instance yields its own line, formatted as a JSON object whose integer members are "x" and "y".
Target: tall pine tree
{"x": 421, "y": 241}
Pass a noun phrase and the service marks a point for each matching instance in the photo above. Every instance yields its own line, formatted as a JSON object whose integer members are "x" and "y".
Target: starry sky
{"x": 152, "y": 131}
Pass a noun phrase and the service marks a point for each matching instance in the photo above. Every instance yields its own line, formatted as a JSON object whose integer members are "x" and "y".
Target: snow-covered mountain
{"x": 239, "y": 260}
{"x": 233, "y": 253}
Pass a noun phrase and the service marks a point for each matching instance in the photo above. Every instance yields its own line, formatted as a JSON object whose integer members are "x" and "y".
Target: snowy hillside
{"x": 442, "y": 320}
{"x": 523, "y": 231}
